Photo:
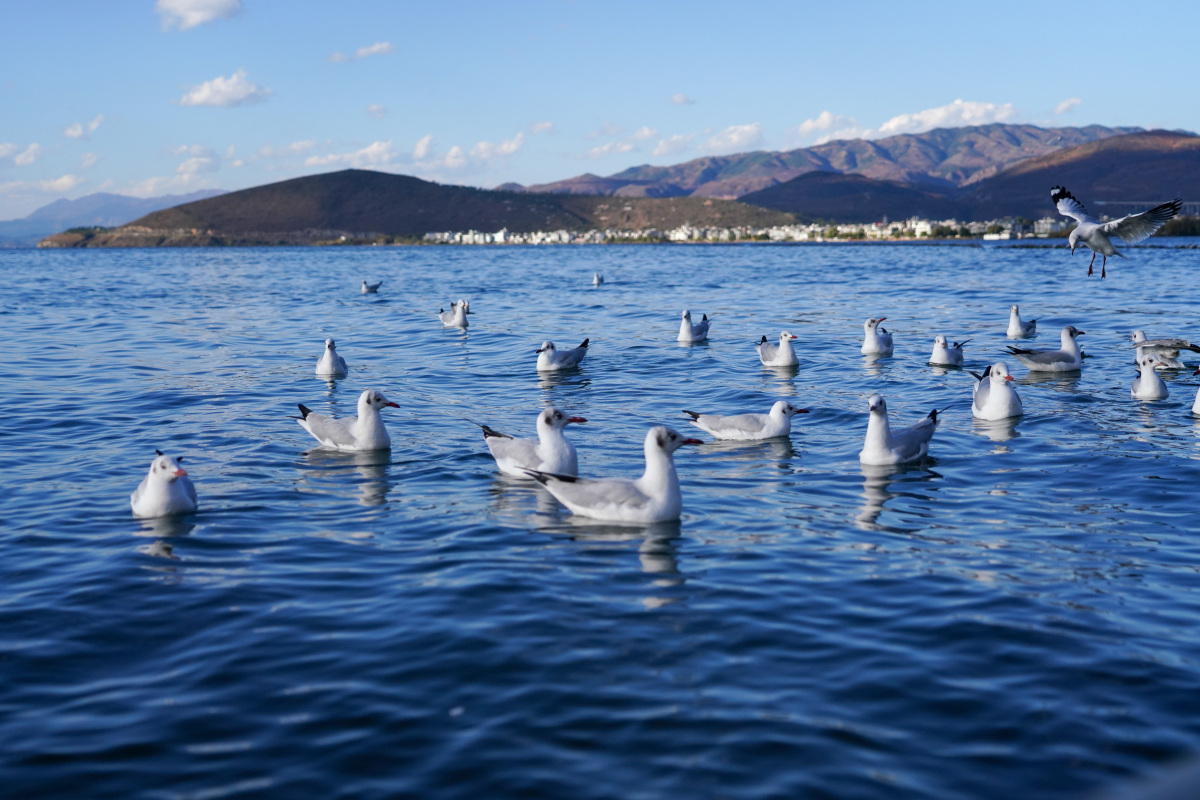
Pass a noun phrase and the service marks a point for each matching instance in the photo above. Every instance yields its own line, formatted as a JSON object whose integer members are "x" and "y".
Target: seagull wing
{"x": 1069, "y": 206}
{"x": 910, "y": 442}
{"x": 515, "y": 453}
{"x": 733, "y": 425}
{"x": 605, "y": 497}
{"x": 1139, "y": 227}
{"x": 330, "y": 431}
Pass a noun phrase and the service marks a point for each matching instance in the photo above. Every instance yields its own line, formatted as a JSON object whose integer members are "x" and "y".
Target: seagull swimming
{"x": 945, "y": 355}
{"x": 597, "y": 279}
{"x": 1167, "y": 350}
{"x": 1148, "y": 385}
{"x": 693, "y": 331}
{"x": 1018, "y": 329}
{"x": 165, "y": 490}
{"x": 550, "y": 453}
{"x": 1067, "y": 359}
{"x": 654, "y": 497}
{"x": 993, "y": 396}
{"x": 747, "y": 427}
{"x": 330, "y": 364}
{"x": 884, "y": 447}
{"x": 456, "y": 317}
{"x": 1196, "y": 402}
{"x": 550, "y": 359}
{"x": 1090, "y": 231}
{"x": 364, "y": 432}
{"x": 371, "y": 288}
{"x": 876, "y": 340}
{"x": 781, "y": 355}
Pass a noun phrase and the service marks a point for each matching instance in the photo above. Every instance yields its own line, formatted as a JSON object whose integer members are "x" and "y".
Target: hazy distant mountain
{"x": 100, "y": 209}
{"x": 1149, "y": 167}
{"x": 360, "y": 203}
{"x": 944, "y": 157}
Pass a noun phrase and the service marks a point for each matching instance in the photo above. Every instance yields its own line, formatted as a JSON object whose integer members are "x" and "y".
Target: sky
{"x": 154, "y": 97}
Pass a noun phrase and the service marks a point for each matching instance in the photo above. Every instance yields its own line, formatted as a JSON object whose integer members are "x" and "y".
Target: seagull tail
{"x": 978, "y": 377}
{"x": 490, "y": 432}
{"x": 545, "y": 477}
{"x": 691, "y": 414}
{"x": 304, "y": 410}
{"x": 585, "y": 342}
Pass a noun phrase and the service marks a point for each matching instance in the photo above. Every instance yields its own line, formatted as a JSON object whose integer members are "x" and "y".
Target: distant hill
{"x": 99, "y": 209}
{"x": 363, "y": 204}
{"x": 947, "y": 158}
{"x": 1149, "y": 167}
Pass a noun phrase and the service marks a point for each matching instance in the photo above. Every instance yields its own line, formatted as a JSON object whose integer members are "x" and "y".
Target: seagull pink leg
{"x": 1093, "y": 261}
{"x": 1103, "y": 264}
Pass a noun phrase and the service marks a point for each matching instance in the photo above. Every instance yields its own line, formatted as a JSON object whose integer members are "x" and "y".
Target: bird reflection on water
{"x": 370, "y": 465}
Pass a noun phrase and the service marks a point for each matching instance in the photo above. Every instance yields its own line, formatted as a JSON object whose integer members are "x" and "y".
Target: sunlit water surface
{"x": 1018, "y": 616}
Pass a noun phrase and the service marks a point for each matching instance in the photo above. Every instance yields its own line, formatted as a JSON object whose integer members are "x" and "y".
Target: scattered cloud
{"x": 735, "y": 139}
{"x": 828, "y": 126}
{"x": 673, "y": 145}
{"x": 377, "y": 49}
{"x": 643, "y": 133}
{"x": 543, "y": 127}
{"x": 376, "y": 110}
{"x": 486, "y": 151}
{"x": 184, "y": 14}
{"x": 82, "y": 131}
{"x": 626, "y": 144}
{"x": 682, "y": 100}
{"x": 606, "y": 131}
{"x": 61, "y": 184}
{"x": 293, "y": 149}
{"x": 1067, "y": 105}
{"x": 29, "y": 155}
{"x": 200, "y": 158}
{"x": 89, "y": 160}
{"x": 236, "y": 90}
{"x": 423, "y": 148}
{"x": 376, "y": 154}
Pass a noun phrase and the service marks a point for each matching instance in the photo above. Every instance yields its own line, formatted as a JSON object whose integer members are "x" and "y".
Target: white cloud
{"x": 293, "y": 149}
{"x": 642, "y": 133}
{"x": 29, "y": 155}
{"x": 7, "y": 150}
{"x": 82, "y": 131}
{"x": 423, "y": 148}
{"x": 376, "y": 154}
{"x": 376, "y": 110}
{"x": 62, "y": 184}
{"x": 379, "y": 48}
{"x": 185, "y": 14}
{"x": 89, "y": 160}
{"x": 542, "y": 127}
{"x": 682, "y": 100}
{"x": 455, "y": 158}
{"x": 486, "y": 151}
{"x": 734, "y": 139}
{"x": 198, "y": 164}
{"x": 954, "y": 115}
{"x": 612, "y": 149}
{"x": 673, "y": 145}
{"x": 1067, "y": 105}
{"x": 235, "y": 90}
{"x": 607, "y": 130}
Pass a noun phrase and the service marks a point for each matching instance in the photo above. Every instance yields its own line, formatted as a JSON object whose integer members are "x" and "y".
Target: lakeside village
{"x": 914, "y": 228}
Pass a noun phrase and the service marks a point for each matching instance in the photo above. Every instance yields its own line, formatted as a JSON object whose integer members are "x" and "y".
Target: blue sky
{"x": 150, "y": 97}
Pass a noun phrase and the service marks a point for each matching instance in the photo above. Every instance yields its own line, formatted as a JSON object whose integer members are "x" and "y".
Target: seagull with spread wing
{"x": 1098, "y": 235}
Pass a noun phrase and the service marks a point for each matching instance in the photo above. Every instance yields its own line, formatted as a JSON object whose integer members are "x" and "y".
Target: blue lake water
{"x": 1018, "y": 616}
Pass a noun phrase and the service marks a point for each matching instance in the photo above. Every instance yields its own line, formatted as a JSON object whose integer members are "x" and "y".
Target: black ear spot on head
{"x": 662, "y": 440}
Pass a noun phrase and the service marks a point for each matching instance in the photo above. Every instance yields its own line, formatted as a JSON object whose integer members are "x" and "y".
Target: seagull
{"x": 781, "y": 355}
{"x": 746, "y": 427}
{"x": 1196, "y": 402}
{"x": 550, "y": 453}
{"x": 371, "y": 288}
{"x": 1067, "y": 359}
{"x": 550, "y": 359}
{"x": 1097, "y": 235}
{"x": 693, "y": 331}
{"x": 330, "y": 364}
{"x": 945, "y": 355}
{"x": 364, "y": 432}
{"x": 456, "y": 317}
{"x": 884, "y": 447}
{"x": 876, "y": 340}
{"x": 993, "y": 396}
{"x": 1018, "y": 329}
{"x": 1149, "y": 385}
{"x": 654, "y": 497}
{"x": 1167, "y": 350}
{"x": 597, "y": 279}
{"x": 165, "y": 490}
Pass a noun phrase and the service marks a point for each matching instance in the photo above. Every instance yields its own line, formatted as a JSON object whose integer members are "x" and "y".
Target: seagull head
{"x": 785, "y": 409}
{"x": 1071, "y": 332}
{"x": 373, "y": 399}
{"x": 1138, "y": 336}
{"x": 1014, "y": 309}
{"x": 877, "y": 405}
{"x": 464, "y": 305}
{"x": 687, "y": 315}
{"x": 555, "y": 419}
{"x": 547, "y": 347}
{"x": 666, "y": 440}
{"x": 872, "y": 323}
{"x": 329, "y": 344}
{"x": 1073, "y": 239}
{"x": 165, "y": 468}
{"x": 1000, "y": 370}
{"x": 784, "y": 336}
{"x": 939, "y": 340}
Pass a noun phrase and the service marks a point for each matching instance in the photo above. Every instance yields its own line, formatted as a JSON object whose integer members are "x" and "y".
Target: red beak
{"x": 576, "y": 419}
{"x": 390, "y": 403}
{"x": 881, "y": 319}
{"x": 793, "y": 336}
{"x": 180, "y": 472}
{"x": 692, "y": 441}
{"x": 802, "y": 411}
{"x": 1008, "y": 377}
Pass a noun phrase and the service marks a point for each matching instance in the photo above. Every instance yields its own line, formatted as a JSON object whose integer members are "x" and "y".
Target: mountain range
{"x": 99, "y": 209}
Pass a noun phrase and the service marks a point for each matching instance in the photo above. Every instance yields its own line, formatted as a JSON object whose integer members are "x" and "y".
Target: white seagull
{"x": 1167, "y": 350}
{"x": 654, "y": 497}
{"x": 781, "y": 355}
{"x": 1018, "y": 329}
{"x": 1148, "y": 385}
{"x": 550, "y": 359}
{"x": 330, "y": 364}
{"x": 884, "y": 447}
{"x": 693, "y": 331}
{"x": 371, "y": 288}
{"x": 550, "y": 453}
{"x": 747, "y": 427}
{"x": 1196, "y": 402}
{"x": 946, "y": 355}
{"x": 993, "y": 396}
{"x": 1098, "y": 235}
{"x": 876, "y": 340}
{"x": 456, "y": 317}
{"x": 1066, "y": 359}
{"x": 165, "y": 490}
{"x": 597, "y": 279}
{"x": 364, "y": 432}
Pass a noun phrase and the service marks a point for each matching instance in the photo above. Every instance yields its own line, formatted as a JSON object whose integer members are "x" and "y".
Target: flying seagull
{"x": 1097, "y": 235}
